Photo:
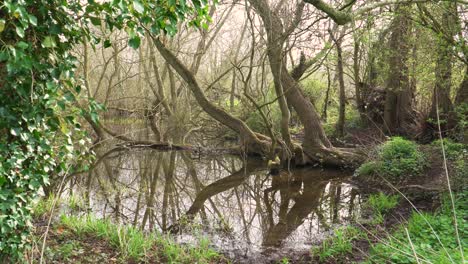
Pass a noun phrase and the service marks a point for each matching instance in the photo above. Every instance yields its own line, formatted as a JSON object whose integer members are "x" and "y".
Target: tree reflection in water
{"x": 235, "y": 203}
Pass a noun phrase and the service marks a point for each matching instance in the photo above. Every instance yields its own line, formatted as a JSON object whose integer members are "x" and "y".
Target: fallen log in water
{"x": 154, "y": 145}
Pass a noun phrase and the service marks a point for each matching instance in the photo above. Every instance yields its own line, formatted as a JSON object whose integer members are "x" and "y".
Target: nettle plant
{"x": 40, "y": 133}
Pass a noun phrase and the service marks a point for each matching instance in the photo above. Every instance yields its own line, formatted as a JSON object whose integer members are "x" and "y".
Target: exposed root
{"x": 335, "y": 157}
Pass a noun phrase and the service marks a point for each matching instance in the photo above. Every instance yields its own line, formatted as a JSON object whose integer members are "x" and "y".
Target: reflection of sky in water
{"x": 236, "y": 218}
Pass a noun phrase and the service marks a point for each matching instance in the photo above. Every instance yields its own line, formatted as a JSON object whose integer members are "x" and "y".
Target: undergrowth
{"x": 341, "y": 243}
{"x": 457, "y": 156}
{"x": 381, "y": 204}
{"x": 426, "y": 238}
{"x": 395, "y": 160}
{"x": 134, "y": 244}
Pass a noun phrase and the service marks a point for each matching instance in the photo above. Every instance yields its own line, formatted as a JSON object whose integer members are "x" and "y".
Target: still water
{"x": 242, "y": 210}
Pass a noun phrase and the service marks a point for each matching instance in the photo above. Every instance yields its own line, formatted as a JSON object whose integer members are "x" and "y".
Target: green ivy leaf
{"x": 32, "y": 20}
{"x": 49, "y": 42}
{"x": 134, "y": 42}
{"x": 2, "y": 180}
{"x": 107, "y": 43}
{"x": 95, "y": 21}
{"x": 138, "y": 6}
{"x": 15, "y": 131}
{"x": 20, "y": 31}
{"x": 2, "y": 25}
{"x": 22, "y": 45}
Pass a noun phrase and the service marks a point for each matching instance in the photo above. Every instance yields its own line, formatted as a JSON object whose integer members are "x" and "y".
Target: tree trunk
{"x": 253, "y": 142}
{"x": 462, "y": 94}
{"x": 340, "y": 72}
{"x": 443, "y": 76}
{"x": 358, "y": 84}
{"x": 397, "y": 108}
{"x": 327, "y": 96}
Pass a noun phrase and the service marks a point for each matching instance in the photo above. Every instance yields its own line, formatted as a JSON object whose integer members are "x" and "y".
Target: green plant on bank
{"x": 341, "y": 243}
{"x": 43, "y": 206}
{"x": 457, "y": 155}
{"x": 397, "y": 159}
{"x": 40, "y": 136}
{"x": 381, "y": 204}
{"x": 426, "y": 238}
{"x": 461, "y": 113}
{"x": 132, "y": 243}
{"x": 69, "y": 249}
{"x": 453, "y": 150}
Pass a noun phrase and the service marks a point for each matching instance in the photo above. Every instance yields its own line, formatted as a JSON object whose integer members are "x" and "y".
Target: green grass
{"x": 426, "y": 238}
{"x": 132, "y": 243}
{"x": 43, "y": 206}
{"x": 381, "y": 204}
{"x": 341, "y": 243}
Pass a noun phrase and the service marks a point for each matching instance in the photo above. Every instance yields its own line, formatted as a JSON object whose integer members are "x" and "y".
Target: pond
{"x": 243, "y": 211}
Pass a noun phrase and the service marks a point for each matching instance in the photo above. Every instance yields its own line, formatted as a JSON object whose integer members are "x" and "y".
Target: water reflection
{"x": 234, "y": 202}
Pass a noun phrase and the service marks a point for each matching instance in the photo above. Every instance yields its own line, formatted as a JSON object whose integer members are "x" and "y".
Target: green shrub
{"x": 369, "y": 168}
{"x": 460, "y": 173}
{"x": 257, "y": 124}
{"x": 453, "y": 150}
{"x": 401, "y": 157}
{"x": 397, "y": 158}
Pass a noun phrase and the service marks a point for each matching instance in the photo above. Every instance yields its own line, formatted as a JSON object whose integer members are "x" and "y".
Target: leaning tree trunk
{"x": 397, "y": 108}
{"x": 253, "y": 142}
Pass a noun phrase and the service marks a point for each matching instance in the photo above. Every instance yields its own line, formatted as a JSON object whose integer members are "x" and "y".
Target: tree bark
{"x": 397, "y": 108}
{"x": 340, "y": 74}
{"x": 443, "y": 75}
{"x": 462, "y": 93}
{"x": 358, "y": 84}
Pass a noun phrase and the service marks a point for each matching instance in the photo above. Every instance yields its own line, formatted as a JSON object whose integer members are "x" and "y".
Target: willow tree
{"x": 316, "y": 146}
